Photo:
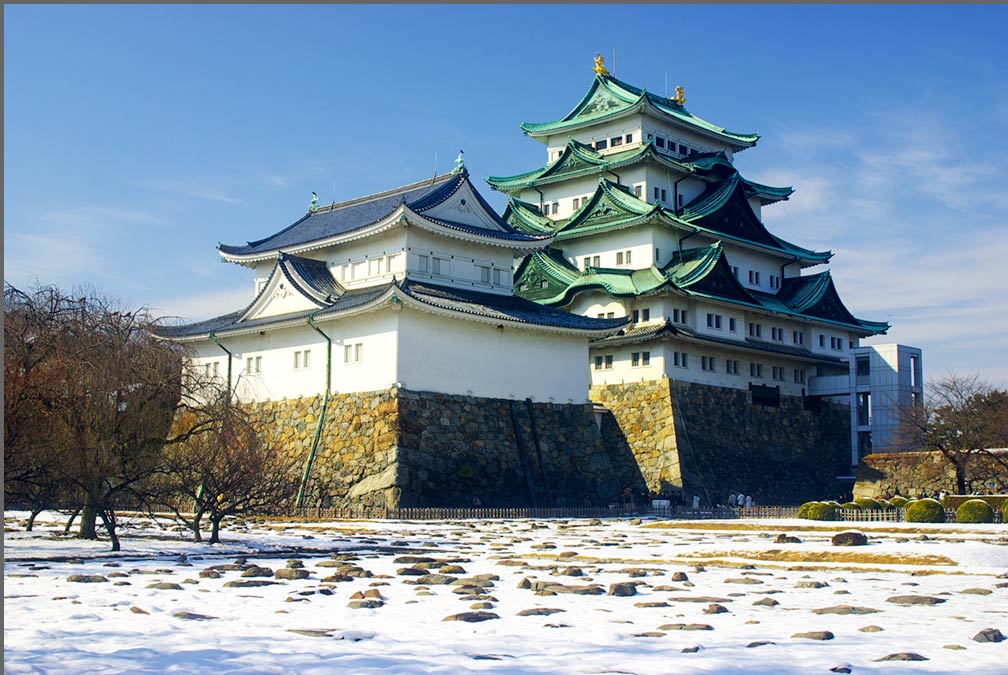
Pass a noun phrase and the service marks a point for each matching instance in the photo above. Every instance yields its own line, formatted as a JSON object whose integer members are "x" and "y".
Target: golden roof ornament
{"x": 680, "y": 95}
{"x": 600, "y": 68}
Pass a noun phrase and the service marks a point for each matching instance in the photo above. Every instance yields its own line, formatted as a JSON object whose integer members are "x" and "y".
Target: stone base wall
{"x": 404, "y": 448}
{"x": 911, "y": 473}
{"x": 711, "y": 441}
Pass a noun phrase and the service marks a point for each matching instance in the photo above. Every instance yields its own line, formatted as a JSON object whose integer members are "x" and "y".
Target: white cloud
{"x": 197, "y": 189}
{"x": 199, "y": 306}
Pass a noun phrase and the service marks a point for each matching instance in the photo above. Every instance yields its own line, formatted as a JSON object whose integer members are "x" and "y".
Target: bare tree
{"x": 225, "y": 468}
{"x": 962, "y": 417}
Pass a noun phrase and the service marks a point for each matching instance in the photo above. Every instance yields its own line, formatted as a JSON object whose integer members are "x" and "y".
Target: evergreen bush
{"x": 1004, "y": 512}
{"x": 974, "y": 511}
{"x": 819, "y": 511}
{"x": 868, "y": 504}
{"x": 853, "y": 506}
{"x": 898, "y": 502}
{"x": 925, "y": 511}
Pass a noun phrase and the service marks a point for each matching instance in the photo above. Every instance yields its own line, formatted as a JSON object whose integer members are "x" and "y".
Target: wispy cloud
{"x": 194, "y": 188}
{"x": 199, "y": 306}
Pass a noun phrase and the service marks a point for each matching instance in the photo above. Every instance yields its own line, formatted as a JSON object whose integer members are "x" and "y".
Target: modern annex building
{"x": 413, "y": 347}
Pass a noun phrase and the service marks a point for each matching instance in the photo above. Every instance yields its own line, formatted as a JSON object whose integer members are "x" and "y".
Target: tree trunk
{"x": 89, "y": 515}
{"x": 73, "y": 516}
{"x": 108, "y": 518}
{"x": 960, "y": 471}
{"x": 197, "y": 517}
{"x": 31, "y": 519}
{"x": 215, "y": 531}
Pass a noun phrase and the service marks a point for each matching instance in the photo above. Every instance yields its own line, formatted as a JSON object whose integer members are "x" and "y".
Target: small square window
{"x": 596, "y": 261}
{"x": 645, "y": 358}
{"x": 731, "y": 324}
{"x": 598, "y": 363}
{"x": 635, "y": 359}
{"x": 637, "y": 191}
{"x": 602, "y": 145}
{"x": 656, "y": 194}
{"x": 587, "y": 263}
{"x": 306, "y": 358}
{"x": 660, "y": 142}
{"x": 646, "y": 314}
{"x": 422, "y": 262}
{"x": 636, "y": 315}
{"x": 484, "y": 274}
{"x": 556, "y": 208}
{"x": 629, "y": 138}
{"x": 619, "y": 257}
{"x": 499, "y": 278}
{"x": 618, "y": 140}
{"x": 627, "y": 257}
{"x": 608, "y": 362}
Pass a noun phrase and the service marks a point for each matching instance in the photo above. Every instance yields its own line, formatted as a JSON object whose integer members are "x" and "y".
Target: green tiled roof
{"x": 609, "y": 98}
{"x": 527, "y": 218}
{"x": 548, "y": 278}
{"x": 612, "y": 207}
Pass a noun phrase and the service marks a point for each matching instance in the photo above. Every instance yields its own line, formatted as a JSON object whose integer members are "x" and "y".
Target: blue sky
{"x": 137, "y": 138}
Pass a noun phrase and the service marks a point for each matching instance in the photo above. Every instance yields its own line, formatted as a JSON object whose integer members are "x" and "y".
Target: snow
{"x": 56, "y": 626}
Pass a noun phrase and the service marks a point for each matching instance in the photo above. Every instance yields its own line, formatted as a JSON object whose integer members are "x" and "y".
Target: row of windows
{"x": 707, "y": 363}
{"x": 678, "y": 315}
{"x": 672, "y": 146}
{"x": 622, "y": 256}
{"x": 714, "y": 321}
{"x": 641, "y": 315}
{"x": 754, "y": 278}
{"x": 640, "y": 359}
{"x": 362, "y": 269}
{"x": 613, "y": 142}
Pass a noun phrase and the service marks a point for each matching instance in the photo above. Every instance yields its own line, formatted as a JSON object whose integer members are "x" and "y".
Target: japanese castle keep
{"x": 628, "y": 322}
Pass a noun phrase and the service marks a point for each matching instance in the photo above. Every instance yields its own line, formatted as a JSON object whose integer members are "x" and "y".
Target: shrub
{"x": 898, "y": 502}
{"x": 868, "y": 504}
{"x": 1004, "y": 512}
{"x": 819, "y": 511}
{"x": 974, "y": 511}
{"x": 853, "y": 506}
{"x": 925, "y": 511}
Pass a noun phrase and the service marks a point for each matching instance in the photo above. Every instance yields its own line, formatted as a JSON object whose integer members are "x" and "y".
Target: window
{"x": 731, "y": 323}
{"x": 598, "y": 363}
{"x": 637, "y": 191}
{"x": 216, "y": 368}
{"x": 683, "y": 149}
{"x": 388, "y": 264}
{"x": 498, "y": 277}
{"x": 601, "y": 315}
{"x": 627, "y": 257}
{"x": 664, "y": 195}
{"x": 734, "y": 270}
{"x": 777, "y": 333}
{"x": 596, "y": 261}
{"x": 302, "y": 359}
{"x": 707, "y": 363}
{"x": 353, "y": 353}
{"x": 635, "y": 359}
{"x": 297, "y": 359}
{"x": 714, "y": 321}
{"x": 754, "y": 277}
{"x": 680, "y": 359}
{"x": 587, "y": 263}
{"x": 731, "y": 367}
{"x": 306, "y": 358}
{"x": 619, "y": 257}
{"x": 678, "y": 316}
{"x": 618, "y": 140}
{"x": 799, "y": 376}
{"x": 756, "y": 370}
{"x": 656, "y": 194}
{"x": 645, "y": 358}
{"x": 636, "y": 315}
{"x": 629, "y": 138}
{"x": 601, "y": 145}
{"x": 660, "y": 142}
{"x": 543, "y": 284}
{"x": 422, "y": 263}
{"x": 798, "y": 337}
{"x": 645, "y": 314}
{"x": 253, "y": 365}
{"x": 914, "y": 371}
{"x": 484, "y": 274}
{"x": 608, "y": 361}
{"x": 679, "y": 201}
{"x": 657, "y": 255}
{"x": 575, "y": 205}
{"x": 863, "y": 366}
{"x": 710, "y": 320}
{"x": 822, "y": 341}
{"x": 441, "y": 267}
{"x": 755, "y": 330}
{"x": 610, "y": 315}
{"x": 778, "y": 373}
{"x": 556, "y": 208}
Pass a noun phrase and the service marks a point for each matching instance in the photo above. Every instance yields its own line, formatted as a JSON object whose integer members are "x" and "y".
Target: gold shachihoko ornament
{"x": 680, "y": 95}
{"x": 600, "y": 68}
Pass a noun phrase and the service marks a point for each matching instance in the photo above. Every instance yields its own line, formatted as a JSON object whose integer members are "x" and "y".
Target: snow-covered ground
{"x": 671, "y": 623}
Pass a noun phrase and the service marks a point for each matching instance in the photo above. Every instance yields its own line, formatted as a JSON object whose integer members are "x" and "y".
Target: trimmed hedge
{"x": 925, "y": 511}
{"x": 852, "y": 506}
{"x": 869, "y": 504}
{"x": 819, "y": 511}
{"x": 898, "y": 502}
{"x": 1004, "y": 513}
{"x": 974, "y": 511}
{"x": 996, "y": 502}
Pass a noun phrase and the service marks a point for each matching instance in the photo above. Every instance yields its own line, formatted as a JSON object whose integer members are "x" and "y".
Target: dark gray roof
{"x": 311, "y": 276}
{"x": 230, "y": 322}
{"x": 504, "y": 307}
{"x": 336, "y": 219}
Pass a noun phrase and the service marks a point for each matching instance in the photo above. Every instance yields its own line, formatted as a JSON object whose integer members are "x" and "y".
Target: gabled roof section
{"x": 724, "y": 210}
{"x": 449, "y": 200}
{"x": 613, "y": 207}
{"x": 312, "y": 277}
{"x": 609, "y": 98}
{"x": 527, "y": 218}
{"x": 816, "y": 295}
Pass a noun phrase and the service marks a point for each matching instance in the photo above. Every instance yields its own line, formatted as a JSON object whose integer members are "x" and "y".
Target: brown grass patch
{"x": 813, "y": 526}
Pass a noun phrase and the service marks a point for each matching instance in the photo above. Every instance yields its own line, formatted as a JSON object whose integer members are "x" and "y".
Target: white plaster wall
{"x": 279, "y": 379}
{"x": 562, "y": 193}
{"x": 623, "y": 371}
{"x": 453, "y": 356}
{"x": 463, "y": 259}
{"x": 746, "y": 259}
{"x": 726, "y": 313}
{"x": 606, "y": 131}
{"x": 640, "y": 241}
{"x": 368, "y": 261}
{"x": 595, "y": 303}
{"x": 659, "y": 127}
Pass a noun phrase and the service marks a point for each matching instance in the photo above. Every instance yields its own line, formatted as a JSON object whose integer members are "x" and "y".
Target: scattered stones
{"x": 365, "y": 604}
{"x": 86, "y": 579}
{"x": 815, "y": 635}
{"x": 680, "y": 576}
{"x": 433, "y": 580}
{"x": 691, "y": 650}
{"x": 811, "y": 584}
{"x": 165, "y": 586}
{"x": 955, "y": 647}
{"x": 256, "y": 571}
{"x": 311, "y": 632}
{"x": 471, "y": 617}
{"x": 192, "y": 616}
{"x": 572, "y": 572}
{"x": 525, "y": 584}
{"x": 209, "y": 574}
{"x": 903, "y": 656}
{"x": 137, "y": 610}
{"x": 250, "y": 583}
{"x": 760, "y": 643}
{"x": 840, "y": 669}
{"x": 451, "y": 569}
{"x": 540, "y": 611}
{"x": 715, "y": 608}
{"x": 851, "y": 538}
{"x": 845, "y": 609}
{"x": 870, "y": 629}
{"x": 649, "y": 605}
{"x": 686, "y": 626}
{"x": 623, "y": 589}
{"x": 968, "y": 591}
{"x": 291, "y": 573}
{"x": 766, "y": 602}
{"x": 743, "y": 580}
{"x": 786, "y": 539}
{"x": 911, "y": 600}
{"x": 699, "y": 598}
{"x": 989, "y": 635}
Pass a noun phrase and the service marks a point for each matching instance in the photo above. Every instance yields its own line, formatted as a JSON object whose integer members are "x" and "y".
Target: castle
{"x": 629, "y": 322}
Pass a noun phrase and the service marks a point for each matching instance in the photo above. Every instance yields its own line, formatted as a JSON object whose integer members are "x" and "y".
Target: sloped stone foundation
{"x": 707, "y": 440}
